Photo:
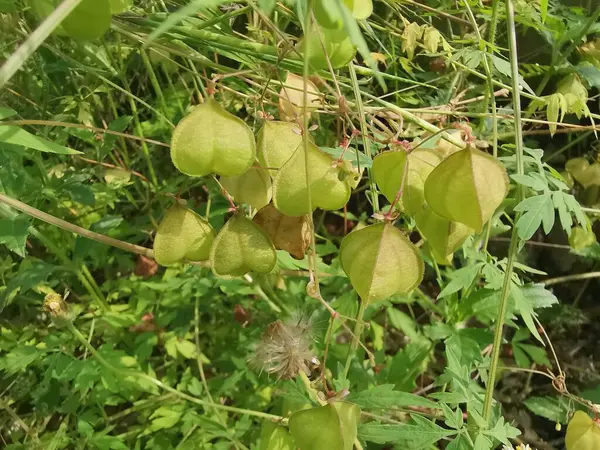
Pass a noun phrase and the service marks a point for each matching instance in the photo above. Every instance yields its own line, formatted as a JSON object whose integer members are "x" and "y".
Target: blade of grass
{"x": 35, "y": 39}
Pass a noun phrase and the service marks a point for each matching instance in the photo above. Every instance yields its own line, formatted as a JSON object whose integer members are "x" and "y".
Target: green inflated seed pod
{"x": 212, "y": 140}
{"x": 290, "y": 188}
{"x": 276, "y": 143}
{"x": 324, "y": 44}
{"x": 241, "y": 247}
{"x": 380, "y": 262}
{"x": 182, "y": 235}
{"x": 583, "y": 433}
{"x": 253, "y": 187}
{"x": 467, "y": 187}
{"x": 89, "y": 20}
{"x": 331, "y": 427}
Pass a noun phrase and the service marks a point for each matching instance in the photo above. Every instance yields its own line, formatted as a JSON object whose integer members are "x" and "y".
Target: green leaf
{"x": 536, "y": 210}
{"x": 404, "y": 323}
{"x": 534, "y": 182}
{"x": 187, "y": 349}
{"x": 461, "y": 279}
{"x": 422, "y": 435}
{"x": 358, "y": 159}
{"x": 31, "y": 272}
{"x": 384, "y": 396}
{"x": 407, "y": 364}
{"x": 7, "y": 6}
{"x": 537, "y": 354}
{"x": 19, "y": 358}
{"x": 461, "y": 351}
{"x": 538, "y": 295}
{"x": 14, "y": 232}
{"x": 521, "y": 357}
{"x": 5, "y": 111}
{"x": 10, "y": 134}
{"x": 525, "y": 307}
{"x": 590, "y": 73}
{"x": 503, "y": 431}
{"x": 551, "y": 408}
{"x": 267, "y": 5}
{"x": 543, "y": 9}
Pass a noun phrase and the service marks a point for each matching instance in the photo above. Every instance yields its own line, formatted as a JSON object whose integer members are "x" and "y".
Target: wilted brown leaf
{"x": 291, "y": 234}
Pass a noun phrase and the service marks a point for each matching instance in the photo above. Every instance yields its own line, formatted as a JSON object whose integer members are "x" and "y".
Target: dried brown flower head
{"x": 56, "y": 306}
{"x": 284, "y": 348}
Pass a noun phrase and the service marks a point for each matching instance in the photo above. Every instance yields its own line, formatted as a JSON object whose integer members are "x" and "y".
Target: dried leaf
{"x": 291, "y": 98}
{"x": 292, "y": 234}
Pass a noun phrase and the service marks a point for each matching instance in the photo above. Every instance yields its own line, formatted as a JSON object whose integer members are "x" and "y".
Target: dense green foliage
{"x": 299, "y": 224}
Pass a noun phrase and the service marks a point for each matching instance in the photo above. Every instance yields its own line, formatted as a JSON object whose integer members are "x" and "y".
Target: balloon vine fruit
{"x": 323, "y": 44}
{"x": 332, "y": 427}
{"x": 275, "y": 437}
{"x": 291, "y": 98}
{"x": 380, "y": 262}
{"x": 327, "y": 190}
{"x": 276, "y": 143}
{"x": 253, "y": 187}
{"x": 240, "y": 247}
{"x": 292, "y": 234}
{"x": 212, "y": 140}
{"x": 467, "y": 187}
{"x": 182, "y": 234}
{"x": 89, "y": 20}
{"x": 583, "y": 433}
{"x": 388, "y": 171}
{"x": 329, "y": 16}
{"x": 421, "y": 163}
{"x": 444, "y": 237}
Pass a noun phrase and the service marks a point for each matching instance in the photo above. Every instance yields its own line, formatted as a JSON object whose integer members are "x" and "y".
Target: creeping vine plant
{"x": 281, "y": 225}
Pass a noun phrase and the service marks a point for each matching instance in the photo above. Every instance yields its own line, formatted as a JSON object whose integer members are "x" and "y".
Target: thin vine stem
{"x": 358, "y": 329}
{"x": 54, "y": 123}
{"x": 513, "y": 248}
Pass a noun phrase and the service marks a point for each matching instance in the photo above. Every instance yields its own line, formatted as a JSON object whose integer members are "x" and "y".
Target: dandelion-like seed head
{"x": 284, "y": 348}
